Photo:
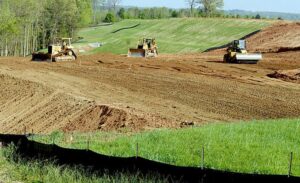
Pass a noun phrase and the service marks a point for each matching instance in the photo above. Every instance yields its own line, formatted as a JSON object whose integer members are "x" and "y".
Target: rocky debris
{"x": 186, "y": 124}
{"x": 287, "y": 75}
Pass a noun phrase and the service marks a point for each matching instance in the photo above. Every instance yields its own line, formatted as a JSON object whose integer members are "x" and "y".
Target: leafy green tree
{"x": 257, "y": 16}
{"x": 174, "y": 14}
{"x": 84, "y": 12}
{"x": 121, "y": 13}
{"x": 192, "y": 4}
{"x": 8, "y": 28}
{"x": 210, "y": 7}
{"x": 110, "y": 17}
{"x": 28, "y": 25}
{"x": 97, "y": 7}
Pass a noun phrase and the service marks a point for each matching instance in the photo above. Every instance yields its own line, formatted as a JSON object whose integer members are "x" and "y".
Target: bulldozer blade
{"x": 136, "y": 53}
{"x": 249, "y": 58}
{"x": 64, "y": 58}
{"x": 41, "y": 57}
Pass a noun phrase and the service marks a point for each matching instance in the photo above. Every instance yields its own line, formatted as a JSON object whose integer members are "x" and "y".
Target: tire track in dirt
{"x": 39, "y": 109}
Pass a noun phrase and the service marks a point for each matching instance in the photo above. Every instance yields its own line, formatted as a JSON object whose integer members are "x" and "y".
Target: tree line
{"x": 108, "y": 11}
{"x": 111, "y": 12}
{"x": 30, "y": 25}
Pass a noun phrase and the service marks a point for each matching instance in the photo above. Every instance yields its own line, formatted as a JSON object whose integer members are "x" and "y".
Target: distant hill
{"x": 272, "y": 15}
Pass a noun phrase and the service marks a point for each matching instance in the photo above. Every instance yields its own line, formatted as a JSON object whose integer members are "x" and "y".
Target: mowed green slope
{"x": 173, "y": 35}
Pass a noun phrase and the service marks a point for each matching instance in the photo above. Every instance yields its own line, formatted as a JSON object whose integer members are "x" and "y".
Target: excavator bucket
{"x": 249, "y": 58}
{"x": 136, "y": 52}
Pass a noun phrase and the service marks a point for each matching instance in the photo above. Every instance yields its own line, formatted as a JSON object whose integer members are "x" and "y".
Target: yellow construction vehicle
{"x": 237, "y": 53}
{"x": 146, "y": 48}
{"x": 60, "y": 50}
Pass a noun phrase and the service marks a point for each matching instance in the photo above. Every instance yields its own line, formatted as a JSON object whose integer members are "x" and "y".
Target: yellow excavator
{"x": 146, "y": 48}
{"x": 60, "y": 50}
{"x": 237, "y": 53}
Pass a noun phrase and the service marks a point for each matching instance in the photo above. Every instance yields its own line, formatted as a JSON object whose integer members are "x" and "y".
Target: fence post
{"x": 53, "y": 139}
{"x": 137, "y": 150}
{"x": 290, "y": 164}
{"x": 88, "y": 143}
{"x": 32, "y": 135}
{"x": 202, "y": 161}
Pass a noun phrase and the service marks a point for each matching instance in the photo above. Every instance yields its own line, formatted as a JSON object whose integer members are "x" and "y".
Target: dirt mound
{"x": 102, "y": 117}
{"x": 287, "y": 75}
{"x": 279, "y": 37}
{"x": 27, "y": 106}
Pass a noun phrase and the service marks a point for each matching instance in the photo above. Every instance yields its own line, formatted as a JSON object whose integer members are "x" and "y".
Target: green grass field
{"x": 252, "y": 147}
{"x": 173, "y": 35}
{"x": 47, "y": 172}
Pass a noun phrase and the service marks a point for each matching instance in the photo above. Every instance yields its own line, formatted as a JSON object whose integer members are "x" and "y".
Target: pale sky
{"x": 289, "y": 6}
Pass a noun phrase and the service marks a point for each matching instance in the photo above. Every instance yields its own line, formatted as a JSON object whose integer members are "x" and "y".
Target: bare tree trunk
{"x": 28, "y": 40}
{"x": 24, "y": 44}
{"x": 6, "y": 48}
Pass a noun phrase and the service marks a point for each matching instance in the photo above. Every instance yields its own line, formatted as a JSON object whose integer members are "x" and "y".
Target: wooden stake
{"x": 53, "y": 139}
{"x": 202, "y": 162}
{"x": 88, "y": 143}
{"x": 31, "y": 134}
{"x": 137, "y": 150}
{"x": 290, "y": 164}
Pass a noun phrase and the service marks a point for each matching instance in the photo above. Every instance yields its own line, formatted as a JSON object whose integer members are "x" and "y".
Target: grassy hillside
{"x": 173, "y": 35}
{"x": 261, "y": 146}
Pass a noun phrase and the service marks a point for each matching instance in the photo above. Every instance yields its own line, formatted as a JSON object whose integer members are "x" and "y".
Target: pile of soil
{"x": 287, "y": 75}
{"x": 31, "y": 107}
{"x": 102, "y": 117}
{"x": 280, "y": 37}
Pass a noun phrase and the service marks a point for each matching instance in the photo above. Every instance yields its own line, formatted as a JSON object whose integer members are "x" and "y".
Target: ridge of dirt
{"x": 102, "y": 117}
{"x": 27, "y": 106}
{"x": 287, "y": 75}
{"x": 279, "y": 37}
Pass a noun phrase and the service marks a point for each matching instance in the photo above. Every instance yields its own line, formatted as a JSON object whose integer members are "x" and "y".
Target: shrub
{"x": 109, "y": 18}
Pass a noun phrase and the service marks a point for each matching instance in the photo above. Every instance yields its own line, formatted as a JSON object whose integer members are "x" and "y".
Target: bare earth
{"x": 109, "y": 92}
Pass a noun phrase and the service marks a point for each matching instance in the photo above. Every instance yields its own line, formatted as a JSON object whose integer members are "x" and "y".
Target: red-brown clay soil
{"x": 287, "y": 75}
{"x": 109, "y": 92}
{"x": 280, "y": 37}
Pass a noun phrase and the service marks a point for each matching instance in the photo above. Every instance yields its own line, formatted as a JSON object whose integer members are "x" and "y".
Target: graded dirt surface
{"x": 111, "y": 92}
{"x": 108, "y": 92}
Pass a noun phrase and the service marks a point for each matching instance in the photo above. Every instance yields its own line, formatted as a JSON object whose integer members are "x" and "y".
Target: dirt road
{"x": 107, "y": 92}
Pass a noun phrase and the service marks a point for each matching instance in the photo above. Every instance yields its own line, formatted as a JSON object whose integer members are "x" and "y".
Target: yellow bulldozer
{"x": 60, "y": 50}
{"x": 146, "y": 48}
{"x": 237, "y": 53}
